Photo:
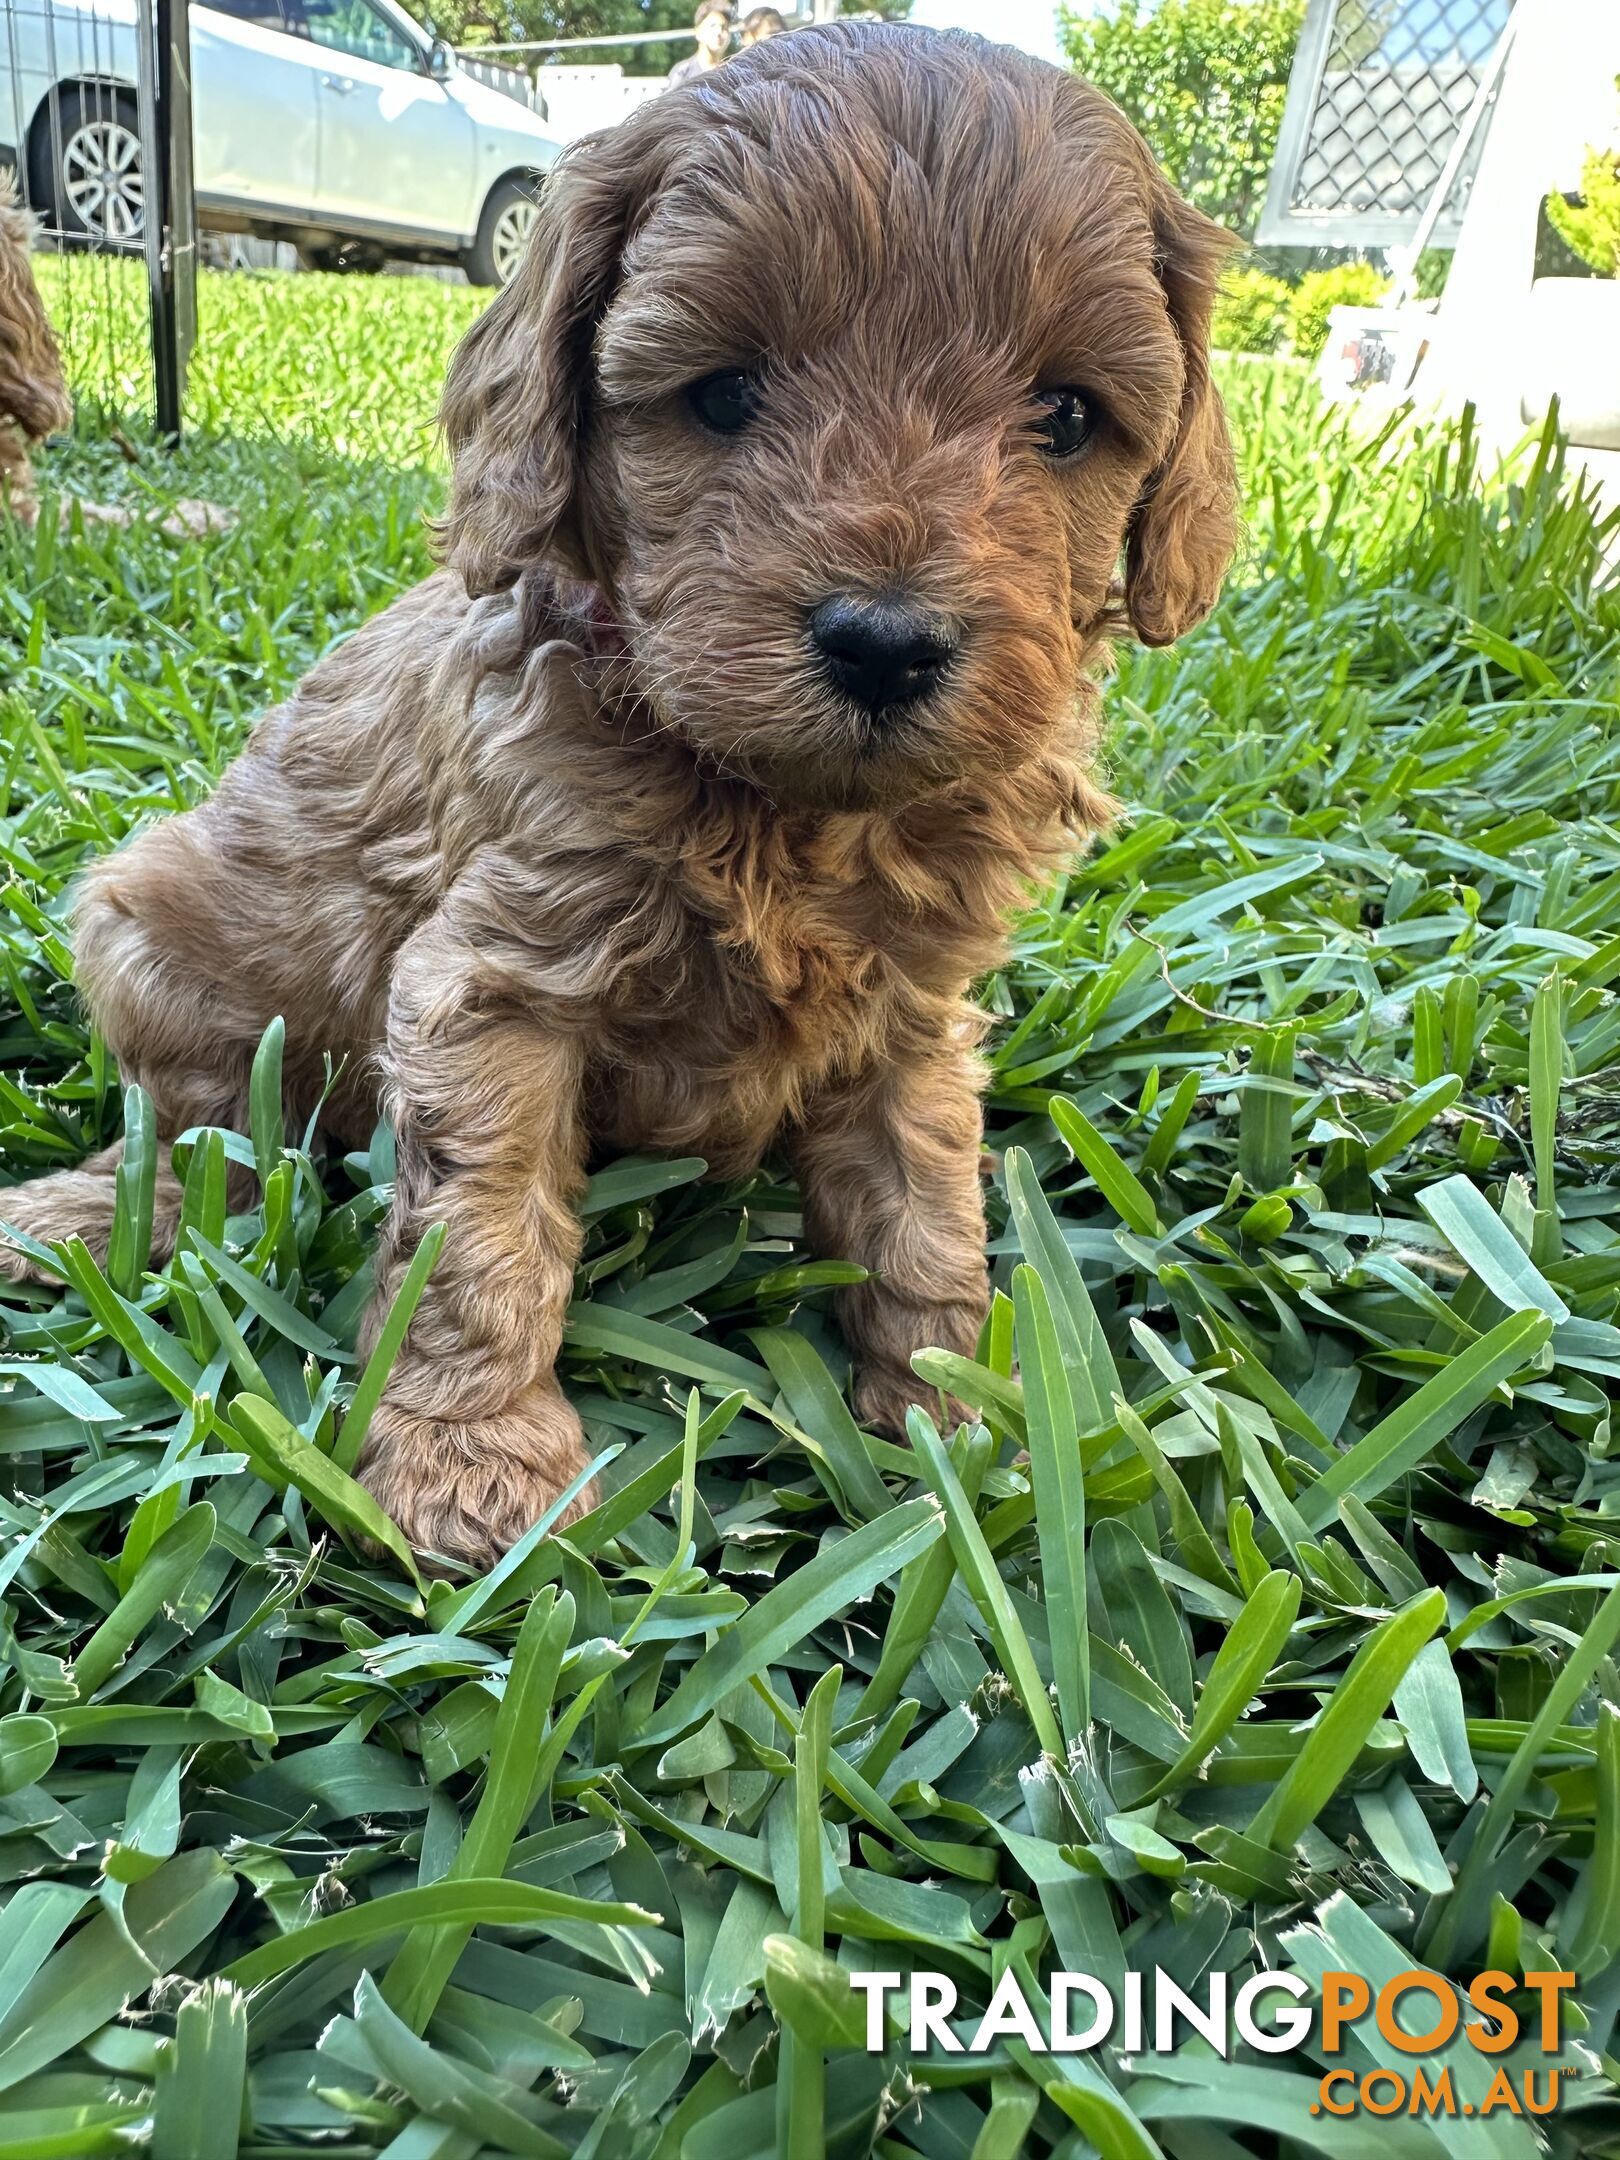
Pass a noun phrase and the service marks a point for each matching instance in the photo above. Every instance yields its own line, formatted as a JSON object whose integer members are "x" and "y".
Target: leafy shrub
{"x": 1352, "y": 284}
{"x": 1434, "y": 267}
{"x": 1591, "y": 225}
{"x": 1204, "y": 80}
{"x": 1251, "y": 314}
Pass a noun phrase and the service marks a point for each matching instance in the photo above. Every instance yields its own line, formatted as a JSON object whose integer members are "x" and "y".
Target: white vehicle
{"x": 338, "y": 125}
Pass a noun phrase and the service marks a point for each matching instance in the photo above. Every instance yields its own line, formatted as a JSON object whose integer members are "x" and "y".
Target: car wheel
{"x": 503, "y": 233}
{"x": 94, "y": 168}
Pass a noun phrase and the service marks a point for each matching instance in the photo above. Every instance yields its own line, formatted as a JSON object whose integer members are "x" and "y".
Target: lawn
{"x": 1269, "y": 1619}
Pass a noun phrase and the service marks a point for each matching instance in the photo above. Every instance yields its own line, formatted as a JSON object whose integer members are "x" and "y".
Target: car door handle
{"x": 342, "y": 84}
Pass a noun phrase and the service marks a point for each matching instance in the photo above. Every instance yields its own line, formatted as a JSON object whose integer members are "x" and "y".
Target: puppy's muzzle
{"x": 883, "y": 654}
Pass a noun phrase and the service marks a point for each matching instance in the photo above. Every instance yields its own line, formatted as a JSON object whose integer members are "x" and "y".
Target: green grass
{"x": 350, "y": 364}
{"x": 1305, "y": 1115}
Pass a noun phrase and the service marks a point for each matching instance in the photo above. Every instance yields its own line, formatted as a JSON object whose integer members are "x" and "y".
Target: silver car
{"x": 338, "y": 125}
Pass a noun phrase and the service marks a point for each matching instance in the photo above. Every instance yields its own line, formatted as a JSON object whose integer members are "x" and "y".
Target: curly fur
{"x": 34, "y": 401}
{"x": 572, "y": 848}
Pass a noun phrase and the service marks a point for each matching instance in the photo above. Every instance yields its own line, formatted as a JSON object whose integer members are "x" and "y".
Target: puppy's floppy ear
{"x": 1185, "y": 530}
{"x": 517, "y": 400}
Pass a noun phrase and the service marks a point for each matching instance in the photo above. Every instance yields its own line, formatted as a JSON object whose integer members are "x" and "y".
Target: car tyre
{"x": 503, "y": 233}
{"x": 90, "y": 168}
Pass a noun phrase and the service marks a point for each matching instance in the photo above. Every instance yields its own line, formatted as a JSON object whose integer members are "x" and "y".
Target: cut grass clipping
{"x": 1268, "y": 1617}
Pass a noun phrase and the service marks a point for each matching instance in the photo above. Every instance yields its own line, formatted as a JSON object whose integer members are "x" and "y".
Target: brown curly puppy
{"x": 34, "y": 399}
{"x": 791, "y": 479}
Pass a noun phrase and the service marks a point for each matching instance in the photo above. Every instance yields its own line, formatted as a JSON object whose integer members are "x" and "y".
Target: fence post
{"x": 164, "y": 28}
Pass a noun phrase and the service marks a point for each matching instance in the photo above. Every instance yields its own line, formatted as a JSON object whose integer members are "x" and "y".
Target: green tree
{"x": 480, "y": 22}
{"x": 1205, "y": 81}
{"x": 476, "y": 22}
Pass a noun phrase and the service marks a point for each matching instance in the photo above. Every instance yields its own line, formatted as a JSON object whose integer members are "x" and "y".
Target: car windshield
{"x": 355, "y": 27}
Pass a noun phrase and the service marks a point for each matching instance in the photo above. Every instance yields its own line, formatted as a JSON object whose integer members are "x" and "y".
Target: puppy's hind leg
{"x": 78, "y": 1203}
{"x": 140, "y": 971}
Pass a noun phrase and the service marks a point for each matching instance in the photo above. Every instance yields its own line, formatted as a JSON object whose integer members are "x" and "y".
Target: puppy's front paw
{"x": 464, "y": 1492}
{"x": 884, "y": 1393}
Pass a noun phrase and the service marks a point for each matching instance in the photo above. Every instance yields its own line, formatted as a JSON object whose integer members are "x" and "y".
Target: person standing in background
{"x": 712, "y": 27}
{"x": 761, "y": 23}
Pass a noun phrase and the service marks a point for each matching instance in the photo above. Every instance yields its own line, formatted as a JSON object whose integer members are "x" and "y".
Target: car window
{"x": 265, "y": 13}
{"x": 354, "y": 27}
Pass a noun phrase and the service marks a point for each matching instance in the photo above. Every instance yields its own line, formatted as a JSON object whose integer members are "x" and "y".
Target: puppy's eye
{"x": 1068, "y": 421}
{"x": 725, "y": 402}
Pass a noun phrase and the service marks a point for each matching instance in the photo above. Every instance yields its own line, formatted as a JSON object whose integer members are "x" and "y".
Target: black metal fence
{"x": 95, "y": 123}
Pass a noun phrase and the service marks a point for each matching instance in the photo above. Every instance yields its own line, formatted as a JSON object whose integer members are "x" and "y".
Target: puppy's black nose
{"x": 883, "y": 654}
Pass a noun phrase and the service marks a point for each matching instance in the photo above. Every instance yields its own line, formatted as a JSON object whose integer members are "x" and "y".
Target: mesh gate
{"x": 95, "y": 132}
{"x": 1379, "y": 94}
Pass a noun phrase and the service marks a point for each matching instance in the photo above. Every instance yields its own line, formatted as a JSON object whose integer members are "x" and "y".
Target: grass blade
{"x": 202, "y": 2077}
{"x": 839, "y": 1575}
{"x": 1403, "y": 1440}
{"x": 369, "y": 1388}
{"x": 976, "y": 1565}
{"x": 1060, "y": 1499}
{"x": 1336, "y": 1739}
{"x": 1120, "y": 1187}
